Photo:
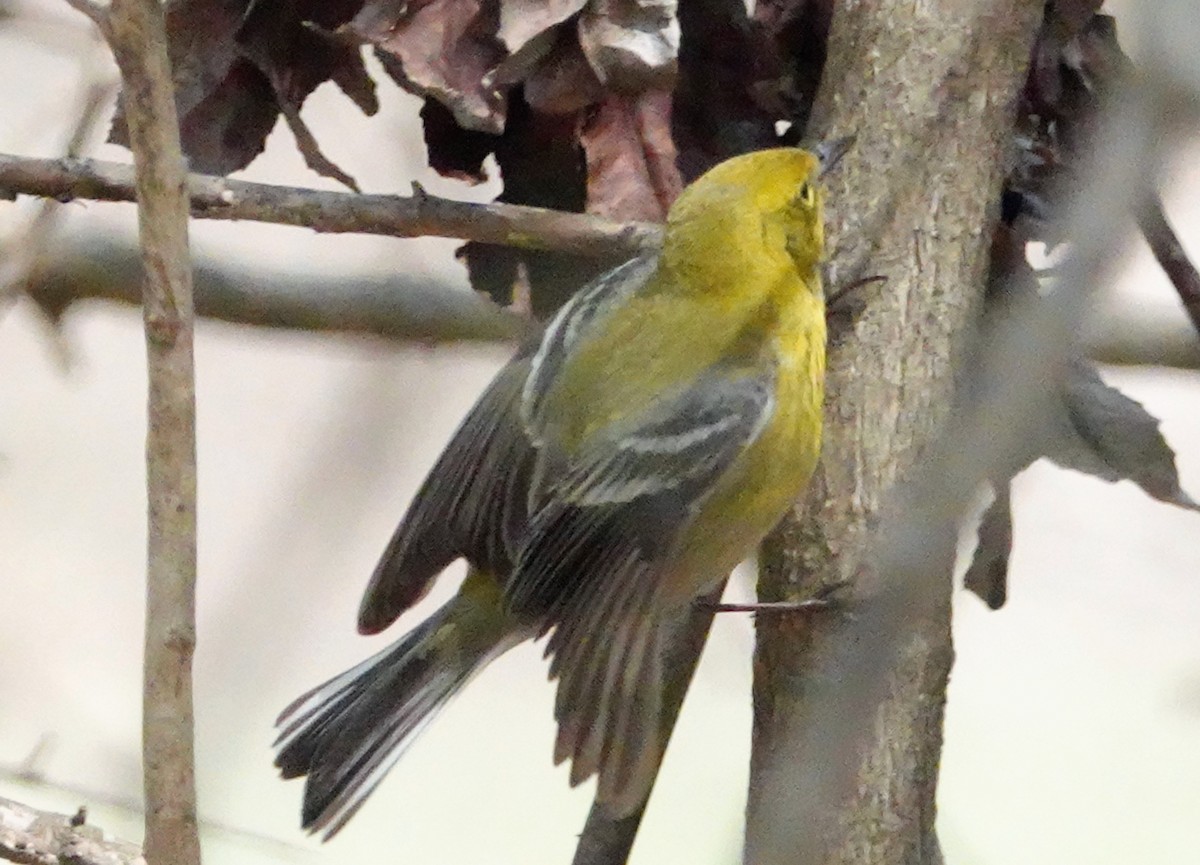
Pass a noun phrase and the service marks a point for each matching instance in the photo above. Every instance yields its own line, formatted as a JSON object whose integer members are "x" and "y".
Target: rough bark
{"x": 929, "y": 90}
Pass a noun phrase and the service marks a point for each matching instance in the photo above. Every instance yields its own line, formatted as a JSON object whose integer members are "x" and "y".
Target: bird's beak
{"x": 830, "y": 153}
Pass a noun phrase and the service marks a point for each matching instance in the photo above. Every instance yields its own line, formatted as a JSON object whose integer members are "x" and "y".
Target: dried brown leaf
{"x": 238, "y": 65}
{"x": 226, "y": 105}
{"x": 293, "y": 43}
{"x": 1095, "y": 429}
{"x": 796, "y": 32}
{"x": 454, "y": 151}
{"x": 1072, "y": 15}
{"x": 1114, "y": 438}
{"x": 522, "y": 20}
{"x": 725, "y": 101}
{"x": 1090, "y": 427}
{"x": 632, "y": 45}
{"x": 631, "y": 157}
{"x": 440, "y": 48}
{"x": 542, "y": 165}
{"x": 563, "y": 82}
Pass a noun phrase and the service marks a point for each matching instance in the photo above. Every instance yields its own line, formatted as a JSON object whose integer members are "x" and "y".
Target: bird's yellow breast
{"x": 758, "y": 488}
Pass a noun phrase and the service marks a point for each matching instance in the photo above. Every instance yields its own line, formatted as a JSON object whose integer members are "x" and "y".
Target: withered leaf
{"x": 440, "y": 48}
{"x": 542, "y": 165}
{"x": 563, "y": 81}
{"x": 1092, "y": 428}
{"x": 1115, "y": 438}
{"x": 631, "y": 157}
{"x": 730, "y": 72}
{"x": 522, "y": 20}
{"x": 292, "y": 42}
{"x": 226, "y": 105}
{"x": 792, "y": 57}
{"x": 1072, "y": 15}
{"x": 454, "y": 151}
{"x": 633, "y": 45}
{"x": 987, "y": 577}
{"x": 238, "y": 65}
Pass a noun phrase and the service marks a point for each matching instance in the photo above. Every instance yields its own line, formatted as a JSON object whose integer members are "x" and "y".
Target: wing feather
{"x": 595, "y": 550}
{"x": 473, "y": 504}
{"x": 568, "y": 327}
{"x": 684, "y": 442}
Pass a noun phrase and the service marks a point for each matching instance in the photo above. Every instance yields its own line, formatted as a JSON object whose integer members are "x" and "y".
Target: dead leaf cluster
{"x": 1093, "y": 428}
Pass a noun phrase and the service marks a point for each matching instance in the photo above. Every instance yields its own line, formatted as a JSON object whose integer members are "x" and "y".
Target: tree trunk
{"x": 929, "y": 90}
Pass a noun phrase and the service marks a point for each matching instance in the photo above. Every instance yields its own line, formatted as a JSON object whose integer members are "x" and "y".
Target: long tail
{"x": 347, "y": 733}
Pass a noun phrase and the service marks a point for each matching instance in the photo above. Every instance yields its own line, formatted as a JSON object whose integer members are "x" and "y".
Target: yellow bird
{"x": 609, "y": 476}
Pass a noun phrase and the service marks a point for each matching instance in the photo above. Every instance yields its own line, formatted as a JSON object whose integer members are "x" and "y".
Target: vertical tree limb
{"x": 930, "y": 93}
{"x": 136, "y": 34}
{"x": 1171, "y": 256}
{"x": 606, "y": 840}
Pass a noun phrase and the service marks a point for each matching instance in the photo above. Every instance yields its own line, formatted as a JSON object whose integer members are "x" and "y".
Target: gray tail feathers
{"x": 346, "y": 734}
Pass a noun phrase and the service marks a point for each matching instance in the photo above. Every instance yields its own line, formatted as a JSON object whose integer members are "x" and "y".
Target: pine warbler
{"x": 608, "y": 477}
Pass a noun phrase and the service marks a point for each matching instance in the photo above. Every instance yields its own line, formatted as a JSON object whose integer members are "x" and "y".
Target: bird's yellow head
{"x": 756, "y": 209}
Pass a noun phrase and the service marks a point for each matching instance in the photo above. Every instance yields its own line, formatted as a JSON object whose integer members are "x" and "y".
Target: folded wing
{"x": 599, "y": 543}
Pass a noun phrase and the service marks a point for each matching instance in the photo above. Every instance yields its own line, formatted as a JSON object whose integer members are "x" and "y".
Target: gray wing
{"x": 590, "y": 567}
{"x": 682, "y": 444}
{"x": 472, "y": 505}
{"x": 640, "y": 477}
{"x": 474, "y": 502}
{"x": 572, "y": 321}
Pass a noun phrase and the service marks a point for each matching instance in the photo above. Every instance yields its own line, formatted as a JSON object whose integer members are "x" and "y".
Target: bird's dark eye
{"x": 807, "y": 196}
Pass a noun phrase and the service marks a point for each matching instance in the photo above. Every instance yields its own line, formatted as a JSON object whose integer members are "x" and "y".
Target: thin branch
{"x": 420, "y": 215}
{"x": 397, "y": 308}
{"x": 1170, "y": 254}
{"x": 1143, "y": 341}
{"x": 25, "y": 255}
{"x": 407, "y": 309}
{"x": 32, "y": 837}
{"x": 136, "y": 32}
{"x": 607, "y": 840}
{"x": 130, "y": 805}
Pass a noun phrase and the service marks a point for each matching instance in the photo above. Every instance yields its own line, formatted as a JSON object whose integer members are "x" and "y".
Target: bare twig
{"x": 32, "y": 837}
{"x": 398, "y": 308}
{"x": 420, "y": 215}
{"x": 36, "y": 786}
{"x": 136, "y": 32}
{"x": 1144, "y": 340}
{"x": 404, "y": 308}
{"x": 607, "y": 840}
{"x": 1169, "y": 253}
{"x": 24, "y": 255}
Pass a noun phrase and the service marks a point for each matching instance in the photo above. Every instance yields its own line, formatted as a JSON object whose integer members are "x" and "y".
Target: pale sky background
{"x": 1073, "y": 732}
